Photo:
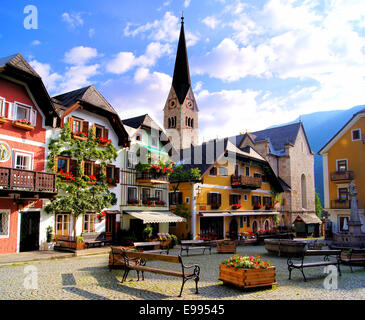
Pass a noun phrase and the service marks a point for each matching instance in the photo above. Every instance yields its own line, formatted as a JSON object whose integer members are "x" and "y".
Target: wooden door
{"x": 29, "y": 231}
{"x": 110, "y": 227}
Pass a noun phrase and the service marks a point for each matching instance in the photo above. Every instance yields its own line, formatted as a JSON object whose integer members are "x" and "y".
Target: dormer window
{"x": 139, "y": 137}
{"x": 25, "y": 112}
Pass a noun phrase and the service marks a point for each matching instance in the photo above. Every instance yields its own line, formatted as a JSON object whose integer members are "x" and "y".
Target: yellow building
{"x": 344, "y": 161}
{"x": 236, "y": 193}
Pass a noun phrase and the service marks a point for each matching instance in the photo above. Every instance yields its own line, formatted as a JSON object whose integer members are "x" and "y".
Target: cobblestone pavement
{"x": 89, "y": 278}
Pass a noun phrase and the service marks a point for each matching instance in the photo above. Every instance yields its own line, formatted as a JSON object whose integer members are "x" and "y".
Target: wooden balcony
{"x": 27, "y": 183}
{"x": 244, "y": 182}
{"x": 342, "y": 176}
{"x": 150, "y": 177}
{"x": 340, "y": 204}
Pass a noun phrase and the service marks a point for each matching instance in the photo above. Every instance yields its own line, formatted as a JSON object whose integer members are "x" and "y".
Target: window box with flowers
{"x": 257, "y": 206}
{"x": 3, "y": 120}
{"x": 112, "y": 181}
{"x": 247, "y": 272}
{"x": 236, "y": 206}
{"x": 79, "y": 135}
{"x": 160, "y": 203}
{"x": 133, "y": 202}
{"x": 103, "y": 142}
{"x": 23, "y": 124}
{"x": 165, "y": 240}
{"x": 91, "y": 179}
{"x": 66, "y": 176}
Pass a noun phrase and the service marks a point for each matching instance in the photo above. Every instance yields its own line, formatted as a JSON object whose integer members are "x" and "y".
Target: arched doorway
{"x": 233, "y": 229}
{"x": 254, "y": 226}
{"x": 267, "y": 225}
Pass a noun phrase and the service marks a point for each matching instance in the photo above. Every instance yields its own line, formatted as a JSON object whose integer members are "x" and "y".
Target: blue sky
{"x": 253, "y": 63}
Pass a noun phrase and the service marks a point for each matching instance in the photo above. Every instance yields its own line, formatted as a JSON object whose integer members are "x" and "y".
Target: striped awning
{"x": 155, "y": 216}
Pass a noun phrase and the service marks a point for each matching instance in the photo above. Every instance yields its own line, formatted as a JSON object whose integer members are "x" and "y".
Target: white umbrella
{"x": 345, "y": 225}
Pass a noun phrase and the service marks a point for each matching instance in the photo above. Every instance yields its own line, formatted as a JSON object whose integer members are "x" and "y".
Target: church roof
{"x": 181, "y": 79}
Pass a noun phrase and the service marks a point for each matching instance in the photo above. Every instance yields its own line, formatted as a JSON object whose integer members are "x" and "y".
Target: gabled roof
{"x": 278, "y": 137}
{"x": 135, "y": 122}
{"x": 16, "y": 67}
{"x": 181, "y": 79}
{"x": 341, "y": 131}
{"x": 93, "y": 101}
{"x": 308, "y": 218}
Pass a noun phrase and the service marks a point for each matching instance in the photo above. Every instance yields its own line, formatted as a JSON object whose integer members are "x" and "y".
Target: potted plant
{"x": 80, "y": 244}
{"x": 226, "y": 246}
{"x": 101, "y": 216}
{"x": 247, "y": 272}
{"x": 148, "y": 233}
{"x": 165, "y": 239}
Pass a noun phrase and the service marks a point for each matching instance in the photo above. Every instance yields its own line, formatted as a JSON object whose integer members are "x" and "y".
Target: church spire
{"x": 181, "y": 79}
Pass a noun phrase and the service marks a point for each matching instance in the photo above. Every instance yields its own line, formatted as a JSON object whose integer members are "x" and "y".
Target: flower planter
{"x": 79, "y": 137}
{"x": 165, "y": 243}
{"x": 346, "y": 256}
{"x": 284, "y": 247}
{"x": 23, "y": 126}
{"x": 247, "y": 278}
{"x": 2, "y": 120}
{"x": 226, "y": 247}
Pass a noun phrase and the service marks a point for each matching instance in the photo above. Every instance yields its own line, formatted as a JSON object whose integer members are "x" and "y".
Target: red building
{"x": 27, "y": 117}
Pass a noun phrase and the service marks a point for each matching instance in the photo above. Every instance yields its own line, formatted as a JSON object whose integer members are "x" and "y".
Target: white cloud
{"x": 78, "y": 76}
{"x": 187, "y": 3}
{"x": 124, "y": 61}
{"x": 35, "y": 43}
{"x": 49, "y": 78}
{"x": 80, "y": 55}
{"x": 211, "y": 22}
{"x": 165, "y": 30}
{"x": 72, "y": 20}
{"x": 91, "y": 32}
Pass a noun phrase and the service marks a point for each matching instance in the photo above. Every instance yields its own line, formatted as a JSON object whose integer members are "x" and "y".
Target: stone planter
{"x": 226, "y": 247}
{"x": 247, "y": 278}
{"x": 283, "y": 247}
{"x": 47, "y": 246}
{"x": 346, "y": 256}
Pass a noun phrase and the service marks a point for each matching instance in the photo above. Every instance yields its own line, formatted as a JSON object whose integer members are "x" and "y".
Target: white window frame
{"x": 139, "y": 134}
{"x": 5, "y": 212}
{"x": 347, "y": 164}
{"x": 32, "y": 114}
{"x": 162, "y": 197}
{"x": 211, "y": 175}
{"x": 17, "y": 153}
{"x": 187, "y": 200}
{"x": 226, "y": 175}
{"x": 135, "y": 188}
{"x": 131, "y": 161}
{"x": 153, "y": 140}
{"x": 2, "y": 106}
{"x": 245, "y": 197}
{"x": 149, "y": 192}
{"x": 352, "y": 135}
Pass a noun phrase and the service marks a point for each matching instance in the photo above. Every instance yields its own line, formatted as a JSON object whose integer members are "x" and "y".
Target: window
{"x": 23, "y": 161}
{"x": 247, "y": 171}
{"x": 223, "y": 171}
{"x": 304, "y": 191}
{"x": 89, "y": 222}
{"x": 343, "y": 221}
{"x": 256, "y": 201}
{"x": 145, "y": 194}
{"x": 158, "y": 194}
{"x": 175, "y": 198}
{"x": 78, "y": 125}
{"x": 132, "y": 194}
{"x": 213, "y": 171}
{"x": 131, "y": 159}
{"x": 109, "y": 172}
{"x": 4, "y": 223}
{"x": 257, "y": 175}
{"x": 234, "y": 199}
{"x": 187, "y": 200}
{"x": 88, "y": 168}
{"x": 154, "y": 141}
{"x": 264, "y": 178}
{"x": 62, "y": 165}
{"x": 343, "y": 194}
{"x": 245, "y": 197}
{"x": 62, "y": 224}
{"x": 139, "y": 136}
{"x": 24, "y": 112}
{"x": 267, "y": 201}
{"x": 341, "y": 165}
{"x": 2, "y": 107}
{"x": 99, "y": 132}
{"x": 67, "y": 165}
{"x": 356, "y": 134}
{"x": 214, "y": 199}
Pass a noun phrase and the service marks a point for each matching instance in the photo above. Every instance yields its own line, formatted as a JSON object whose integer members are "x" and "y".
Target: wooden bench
{"x": 146, "y": 246}
{"x": 305, "y": 253}
{"x": 138, "y": 260}
{"x": 353, "y": 257}
{"x": 94, "y": 239}
{"x": 187, "y": 245}
{"x": 65, "y": 243}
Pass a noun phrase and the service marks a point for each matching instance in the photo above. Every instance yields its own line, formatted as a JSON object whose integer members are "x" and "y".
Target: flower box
{"x": 79, "y": 137}
{"x": 347, "y": 255}
{"x": 247, "y": 278}
{"x": 2, "y": 120}
{"x": 23, "y": 125}
{"x": 226, "y": 247}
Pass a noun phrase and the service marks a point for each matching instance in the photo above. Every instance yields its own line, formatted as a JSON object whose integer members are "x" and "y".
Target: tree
{"x": 319, "y": 208}
{"x": 79, "y": 194}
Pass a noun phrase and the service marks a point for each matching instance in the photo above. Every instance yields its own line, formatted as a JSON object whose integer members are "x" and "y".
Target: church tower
{"x": 181, "y": 110}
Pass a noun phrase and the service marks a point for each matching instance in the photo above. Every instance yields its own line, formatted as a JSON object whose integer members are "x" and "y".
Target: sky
{"x": 253, "y": 64}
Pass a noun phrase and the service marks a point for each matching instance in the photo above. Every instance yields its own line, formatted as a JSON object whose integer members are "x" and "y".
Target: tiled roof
{"x": 135, "y": 122}
{"x": 17, "y": 61}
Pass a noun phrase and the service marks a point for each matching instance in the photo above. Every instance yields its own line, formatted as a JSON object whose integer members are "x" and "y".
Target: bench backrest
{"x": 192, "y": 241}
{"x": 153, "y": 256}
{"x": 141, "y": 244}
{"x": 64, "y": 238}
{"x": 93, "y": 235}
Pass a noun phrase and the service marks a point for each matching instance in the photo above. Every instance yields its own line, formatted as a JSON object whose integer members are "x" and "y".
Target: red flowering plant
{"x": 101, "y": 215}
{"x": 102, "y": 140}
{"x": 111, "y": 181}
{"x": 246, "y": 262}
{"x": 160, "y": 203}
{"x": 236, "y": 206}
{"x": 66, "y": 176}
{"x": 80, "y": 134}
{"x": 24, "y": 121}
{"x": 133, "y": 201}
{"x": 89, "y": 178}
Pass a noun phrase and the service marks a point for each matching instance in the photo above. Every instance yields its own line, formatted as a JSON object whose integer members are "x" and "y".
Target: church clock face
{"x": 172, "y": 103}
{"x": 190, "y": 104}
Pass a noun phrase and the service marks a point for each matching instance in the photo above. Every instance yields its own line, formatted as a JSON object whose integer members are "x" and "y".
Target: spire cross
{"x": 182, "y": 17}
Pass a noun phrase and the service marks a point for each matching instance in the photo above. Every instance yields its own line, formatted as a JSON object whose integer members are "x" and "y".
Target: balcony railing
{"x": 340, "y": 204}
{"x": 26, "y": 180}
{"x": 246, "y": 182}
{"x": 342, "y": 175}
{"x": 151, "y": 177}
